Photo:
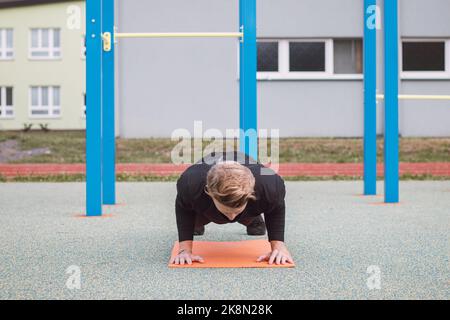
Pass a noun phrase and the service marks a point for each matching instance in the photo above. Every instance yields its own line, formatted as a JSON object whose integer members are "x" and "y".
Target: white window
{"x": 425, "y": 59}
{"x": 45, "y": 102}
{"x": 309, "y": 59}
{"x": 348, "y": 56}
{"x": 45, "y": 43}
{"x": 6, "y": 102}
{"x": 6, "y": 44}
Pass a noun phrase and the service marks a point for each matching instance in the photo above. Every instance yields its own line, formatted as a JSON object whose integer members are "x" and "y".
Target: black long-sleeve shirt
{"x": 192, "y": 200}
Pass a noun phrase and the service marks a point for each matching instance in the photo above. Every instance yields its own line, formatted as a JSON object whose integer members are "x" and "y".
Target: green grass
{"x": 65, "y": 146}
{"x": 50, "y": 178}
{"x": 335, "y": 150}
{"x": 69, "y": 147}
{"x": 144, "y": 150}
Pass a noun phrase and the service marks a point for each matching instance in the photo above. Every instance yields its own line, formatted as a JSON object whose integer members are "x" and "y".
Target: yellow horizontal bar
{"x": 181, "y": 35}
{"x": 417, "y": 97}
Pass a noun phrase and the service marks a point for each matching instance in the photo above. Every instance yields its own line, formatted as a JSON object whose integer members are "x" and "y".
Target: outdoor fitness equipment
{"x": 100, "y": 136}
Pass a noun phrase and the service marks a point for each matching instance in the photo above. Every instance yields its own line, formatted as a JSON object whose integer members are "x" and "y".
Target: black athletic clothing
{"x": 192, "y": 200}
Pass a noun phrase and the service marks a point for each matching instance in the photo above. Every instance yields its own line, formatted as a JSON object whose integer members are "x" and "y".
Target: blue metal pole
{"x": 93, "y": 108}
{"x": 391, "y": 159}
{"x": 370, "y": 101}
{"x": 248, "y": 89}
{"x": 108, "y": 129}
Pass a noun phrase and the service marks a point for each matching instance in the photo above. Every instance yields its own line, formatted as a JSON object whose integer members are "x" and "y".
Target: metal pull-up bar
{"x": 107, "y": 36}
{"x": 374, "y": 12}
{"x": 100, "y": 85}
{"x": 181, "y": 35}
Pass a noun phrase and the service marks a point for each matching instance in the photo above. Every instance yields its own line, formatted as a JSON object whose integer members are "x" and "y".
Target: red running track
{"x": 285, "y": 169}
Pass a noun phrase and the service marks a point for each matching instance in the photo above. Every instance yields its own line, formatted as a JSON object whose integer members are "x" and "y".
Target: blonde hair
{"x": 231, "y": 184}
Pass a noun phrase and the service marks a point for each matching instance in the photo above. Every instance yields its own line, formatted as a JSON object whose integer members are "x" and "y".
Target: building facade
{"x": 42, "y": 65}
{"x": 310, "y": 58}
{"x": 310, "y": 81}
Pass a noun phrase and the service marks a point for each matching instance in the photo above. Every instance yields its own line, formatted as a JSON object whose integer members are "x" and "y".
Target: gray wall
{"x": 430, "y": 18}
{"x": 426, "y": 18}
{"x": 167, "y": 84}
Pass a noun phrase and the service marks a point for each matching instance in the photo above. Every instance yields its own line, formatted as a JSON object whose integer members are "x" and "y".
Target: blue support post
{"x": 93, "y": 108}
{"x": 108, "y": 129}
{"x": 248, "y": 65}
{"x": 370, "y": 100}
{"x": 391, "y": 159}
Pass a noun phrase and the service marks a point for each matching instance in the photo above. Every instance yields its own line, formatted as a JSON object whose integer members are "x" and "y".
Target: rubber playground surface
{"x": 334, "y": 234}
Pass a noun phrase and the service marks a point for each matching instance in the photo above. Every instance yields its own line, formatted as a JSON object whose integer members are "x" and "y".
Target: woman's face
{"x": 230, "y": 213}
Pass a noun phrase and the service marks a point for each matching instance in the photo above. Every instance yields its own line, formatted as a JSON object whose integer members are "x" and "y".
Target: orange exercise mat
{"x": 241, "y": 254}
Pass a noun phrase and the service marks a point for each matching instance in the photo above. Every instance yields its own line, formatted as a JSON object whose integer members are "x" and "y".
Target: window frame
{"x": 431, "y": 75}
{"x": 279, "y": 60}
{"x": 284, "y": 62}
{"x": 3, "y": 106}
{"x": 3, "y": 49}
{"x": 50, "y": 107}
{"x": 328, "y": 63}
{"x": 51, "y": 49}
{"x": 361, "y": 74}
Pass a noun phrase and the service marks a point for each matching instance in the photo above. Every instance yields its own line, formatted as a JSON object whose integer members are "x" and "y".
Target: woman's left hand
{"x": 279, "y": 254}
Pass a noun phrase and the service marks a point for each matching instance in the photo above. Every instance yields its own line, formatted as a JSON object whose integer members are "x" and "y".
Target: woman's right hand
{"x": 186, "y": 257}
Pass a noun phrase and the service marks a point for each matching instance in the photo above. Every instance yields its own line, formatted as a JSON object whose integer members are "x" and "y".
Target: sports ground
{"x": 334, "y": 234}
